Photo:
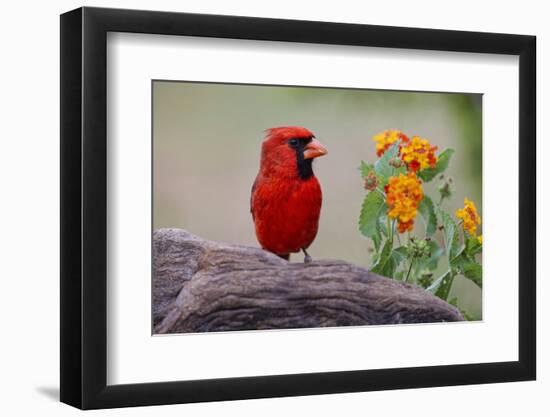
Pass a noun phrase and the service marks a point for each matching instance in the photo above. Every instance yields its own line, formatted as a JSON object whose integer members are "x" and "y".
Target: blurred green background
{"x": 207, "y": 139}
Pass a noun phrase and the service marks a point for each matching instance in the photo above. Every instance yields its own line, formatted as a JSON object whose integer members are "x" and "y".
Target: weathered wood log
{"x": 203, "y": 286}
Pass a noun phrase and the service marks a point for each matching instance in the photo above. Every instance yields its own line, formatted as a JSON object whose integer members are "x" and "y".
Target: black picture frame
{"x": 84, "y": 207}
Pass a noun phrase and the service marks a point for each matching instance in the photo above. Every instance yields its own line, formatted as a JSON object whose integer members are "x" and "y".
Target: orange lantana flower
{"x": 418, "y": 154}
{"x": 387, "y": 138}
{"x": 470, "y": 218}
{"x": 403, "y": 195}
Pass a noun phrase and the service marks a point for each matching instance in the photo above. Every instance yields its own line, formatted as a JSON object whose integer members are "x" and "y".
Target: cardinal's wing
{"x": 252, "y": 196}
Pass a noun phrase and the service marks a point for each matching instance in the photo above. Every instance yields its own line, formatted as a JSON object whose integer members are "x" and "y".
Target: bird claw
{"x": 307, "y": 259}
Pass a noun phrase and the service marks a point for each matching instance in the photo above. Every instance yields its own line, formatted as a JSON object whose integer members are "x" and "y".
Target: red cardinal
{"x": 286, "y": 196}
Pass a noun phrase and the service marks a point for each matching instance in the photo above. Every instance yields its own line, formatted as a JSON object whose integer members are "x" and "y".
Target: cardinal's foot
{"x": 307, "y": 258}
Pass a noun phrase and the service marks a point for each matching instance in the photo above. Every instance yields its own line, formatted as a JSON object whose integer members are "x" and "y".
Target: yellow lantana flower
{"x": 403, "y": 195}
{"x": 480, "y": 239}
{"x": 418, "y": 154}
{"x": 387, "y": 138}
{"x": 470, "y": 218}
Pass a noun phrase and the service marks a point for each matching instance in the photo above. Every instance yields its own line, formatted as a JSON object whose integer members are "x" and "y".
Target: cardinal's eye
{"x": 293, "y": 142}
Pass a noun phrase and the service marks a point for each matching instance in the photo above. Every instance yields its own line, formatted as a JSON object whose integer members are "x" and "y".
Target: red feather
{"x": 285, "y": 207}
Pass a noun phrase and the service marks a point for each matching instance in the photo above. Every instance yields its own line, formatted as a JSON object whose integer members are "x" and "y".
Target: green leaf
{"x": 399, "y": 254}
{"x": 389, "y": 261}
{"x": 457, "y": 262}
{"x": 435, "y": 254}
{"x": 373, "y": 206}
{"x": 383, "y": 168}
{"x": 442, "y": 285}
{"x": 437, "y": 282}
{"x": 441, "y": 165}
{"x": 450, "y": 232}
{"x": 385, "y": 265}
{"x": 449, "y": 229}
{"x": 381, "y": 225}
{"x": 474, "y": 272}
{"x": 366, "y": 169}
{"x": 473, "y": 246}
{"x": 377, "y": 240}
{"x": 427, "y": 211}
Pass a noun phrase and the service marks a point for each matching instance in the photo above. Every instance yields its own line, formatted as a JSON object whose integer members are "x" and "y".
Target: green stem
{"x": 456, "y": 257}
{"x": 443, "y": 241}
{"x": 451, "y": 279}
{"x": 390, "y": 230}
{"x": 409, "y": 271}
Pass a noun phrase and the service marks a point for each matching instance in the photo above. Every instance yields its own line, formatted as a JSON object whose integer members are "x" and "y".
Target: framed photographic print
{"x": 258, "y": 207}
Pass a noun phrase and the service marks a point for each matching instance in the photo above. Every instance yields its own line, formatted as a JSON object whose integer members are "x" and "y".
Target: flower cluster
{"x": 403, "y": 194}
{"x": 418, "y": 248}
{"x": 395, "y": 185}
{"x": 387, "y": 138}
{"x": 418, "y": 154}
{"x": 470, "y": 218}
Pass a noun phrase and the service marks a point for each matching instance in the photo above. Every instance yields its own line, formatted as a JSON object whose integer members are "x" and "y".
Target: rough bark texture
{"x": 204, "y": 286}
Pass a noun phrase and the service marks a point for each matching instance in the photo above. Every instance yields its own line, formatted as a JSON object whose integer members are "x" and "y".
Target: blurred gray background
{"x": 207, "y": 138}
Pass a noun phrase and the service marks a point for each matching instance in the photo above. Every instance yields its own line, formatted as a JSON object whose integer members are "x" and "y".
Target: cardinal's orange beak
{"x": 314, "y": 149}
